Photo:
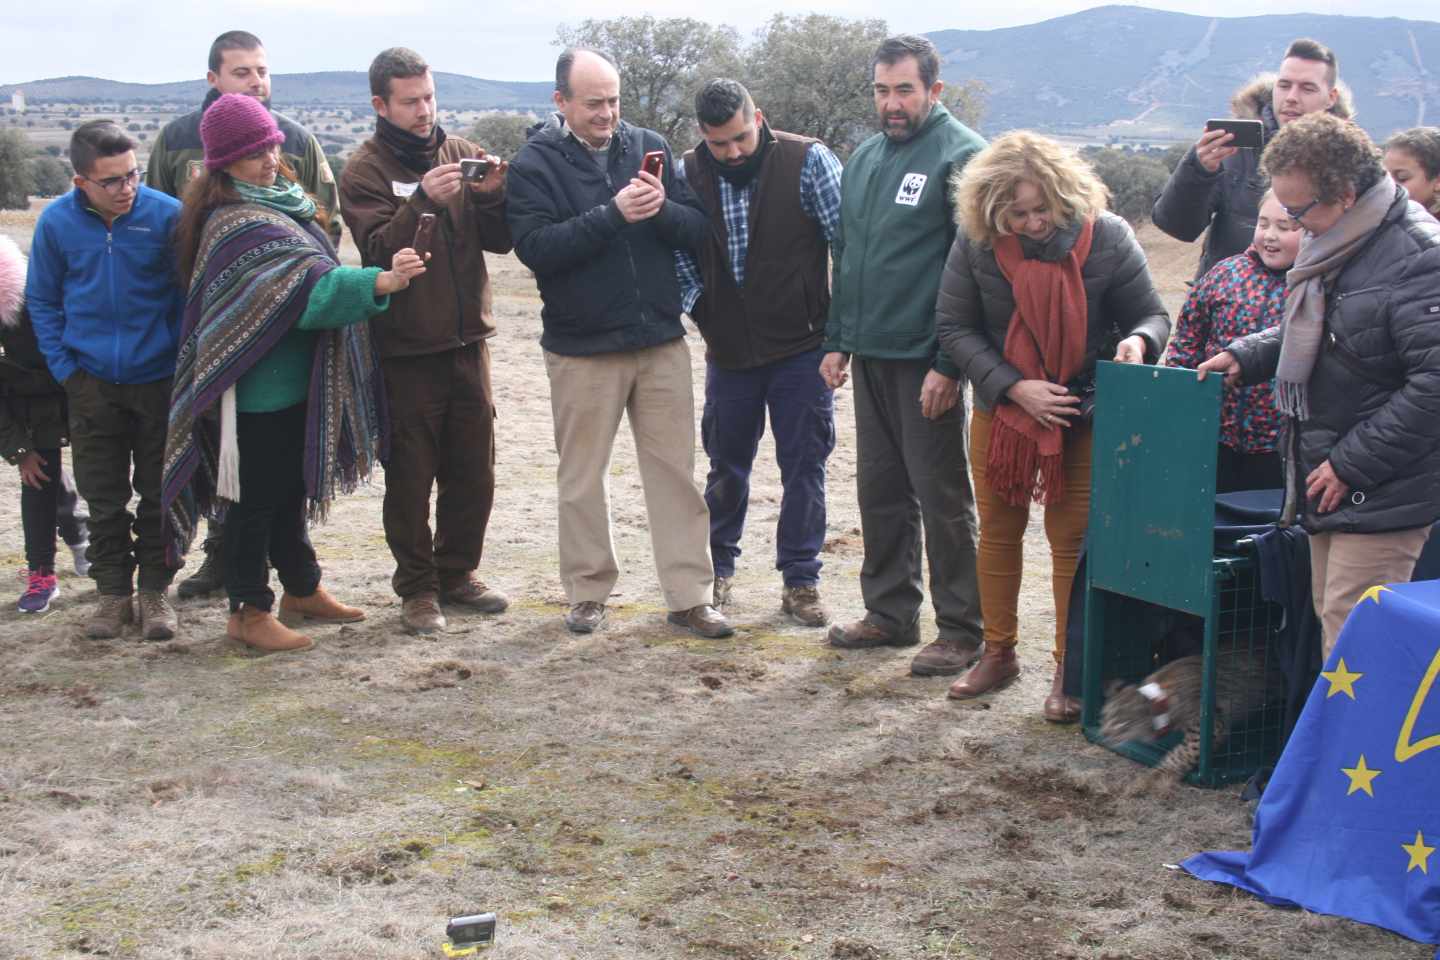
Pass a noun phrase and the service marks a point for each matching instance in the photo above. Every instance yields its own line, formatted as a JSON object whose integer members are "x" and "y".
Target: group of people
{"x": 215, "y": 342}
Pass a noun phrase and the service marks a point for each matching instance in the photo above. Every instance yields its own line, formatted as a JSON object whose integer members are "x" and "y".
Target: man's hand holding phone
{"x": 483, "y": 173}
{"x": 442, "y": 182}
{"x": 1213, "y": 148}
{"x": 641, "y": 198}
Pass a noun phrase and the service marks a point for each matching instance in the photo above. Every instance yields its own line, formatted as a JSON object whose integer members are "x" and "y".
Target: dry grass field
{"x": 634, "y": 794}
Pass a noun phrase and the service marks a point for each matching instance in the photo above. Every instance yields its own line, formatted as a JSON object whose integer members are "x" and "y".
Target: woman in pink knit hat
{"x": 278, "y": 403}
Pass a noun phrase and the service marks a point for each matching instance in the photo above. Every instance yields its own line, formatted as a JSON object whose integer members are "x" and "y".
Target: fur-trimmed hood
{"x": 12, "y": 282}
{"x": 1252, "y": 101}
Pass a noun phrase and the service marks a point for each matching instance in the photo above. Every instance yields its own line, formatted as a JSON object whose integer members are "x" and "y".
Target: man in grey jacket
{"x": 1218, "y": 186}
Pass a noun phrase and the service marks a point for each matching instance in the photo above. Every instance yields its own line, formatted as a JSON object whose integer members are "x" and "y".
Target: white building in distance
{"x": 17, "y": 101}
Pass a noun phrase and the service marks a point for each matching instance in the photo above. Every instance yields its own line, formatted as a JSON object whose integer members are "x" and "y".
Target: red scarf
{"x": 1045, "y": 341}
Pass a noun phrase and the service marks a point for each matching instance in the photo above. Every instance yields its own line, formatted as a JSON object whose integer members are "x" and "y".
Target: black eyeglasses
{"x": 116, "y": 184}
{"x": 1295, "y": 214}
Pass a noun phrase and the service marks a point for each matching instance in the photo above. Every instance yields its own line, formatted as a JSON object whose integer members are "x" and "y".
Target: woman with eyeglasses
{"x": 277, "y": 404}
{"x": 1356, "y": 363}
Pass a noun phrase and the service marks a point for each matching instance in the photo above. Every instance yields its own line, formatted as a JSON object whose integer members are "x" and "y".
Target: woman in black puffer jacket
{"x": 1040, "y": 278}
{"x": 1356, "y": 362}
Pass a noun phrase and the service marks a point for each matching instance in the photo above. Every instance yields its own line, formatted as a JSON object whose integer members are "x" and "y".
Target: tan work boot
{"x": 587, "y": 616}
{"x": 472, "y": 592}
{"x": 803, "y": 605}
{"x": 863, "y": 634}
{"x": 111, "y": 614}
{"x": 319, "y": 607}
{"x": 157, "y": 617}
{"x": 421, "y": 614}
{"x": 1058, "y": 707}
{"x": 720, "y": 596}
{"x": 703, "y": 621}
{"x": 945, "y": 657}
{"x": 996, "y": 669}
{"x": 261, "y": 631}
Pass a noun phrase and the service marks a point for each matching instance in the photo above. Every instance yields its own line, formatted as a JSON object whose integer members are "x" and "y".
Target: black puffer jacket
{"x": 1228, "y": 200}
{"x": 32, "y": 404}
{"x": 973, "y": 310}
{"x": 607, "y": 285}
{"x": 1374, "y": 394}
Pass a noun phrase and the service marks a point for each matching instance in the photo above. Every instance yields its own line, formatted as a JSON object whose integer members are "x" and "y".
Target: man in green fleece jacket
{"x": 896, "y": 227}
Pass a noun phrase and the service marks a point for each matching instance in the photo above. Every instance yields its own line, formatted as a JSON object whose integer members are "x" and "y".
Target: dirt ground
{"x": 635, "y": 794}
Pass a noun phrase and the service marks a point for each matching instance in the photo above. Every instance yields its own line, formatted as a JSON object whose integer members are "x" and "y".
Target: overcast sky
{"x": 495, "y": 39}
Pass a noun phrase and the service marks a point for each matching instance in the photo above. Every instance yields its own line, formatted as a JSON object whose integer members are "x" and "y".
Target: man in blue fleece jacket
{"x": 106, "y": 303}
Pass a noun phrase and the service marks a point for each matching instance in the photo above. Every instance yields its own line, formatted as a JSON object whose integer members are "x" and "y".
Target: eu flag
{"x": 1350, "y": 822}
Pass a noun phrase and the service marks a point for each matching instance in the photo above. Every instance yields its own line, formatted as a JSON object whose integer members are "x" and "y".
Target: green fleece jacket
{"x": 896, "y": 227}
{"x": 281, "y": 379}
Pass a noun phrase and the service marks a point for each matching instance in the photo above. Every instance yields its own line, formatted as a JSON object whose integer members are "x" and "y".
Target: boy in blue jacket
{"x": 105, "y": 304}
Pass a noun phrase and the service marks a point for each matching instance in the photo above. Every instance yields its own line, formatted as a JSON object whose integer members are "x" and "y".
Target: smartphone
{"x": 423, "y": 234}
{"x": 653, "y": 163}
{"x": 1248, "y": 134}
{"x": 474, "y": 169}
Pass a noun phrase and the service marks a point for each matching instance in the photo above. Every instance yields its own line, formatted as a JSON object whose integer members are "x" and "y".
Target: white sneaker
{"x": 82, "y": 566}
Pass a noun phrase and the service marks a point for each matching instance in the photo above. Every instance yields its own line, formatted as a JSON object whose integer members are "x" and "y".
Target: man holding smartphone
{"x": 237, "y": 64}
{"x": 600, "y": 234}
{"x": 432, "y": 340}
{"x": 759, "y": 292}
{"x": 1218, "y": 186}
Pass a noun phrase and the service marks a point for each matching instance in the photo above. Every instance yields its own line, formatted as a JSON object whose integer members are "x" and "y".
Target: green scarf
{"x": 286, "y": 196}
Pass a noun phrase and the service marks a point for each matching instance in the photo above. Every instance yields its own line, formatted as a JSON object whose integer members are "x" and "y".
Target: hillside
{"x": 1134, "y": 72}
{"x": 347, "y": 87}
{"x": 1115, "y": 71}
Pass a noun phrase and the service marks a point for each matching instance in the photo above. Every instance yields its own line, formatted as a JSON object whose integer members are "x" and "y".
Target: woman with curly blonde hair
{"x": 1041, "y": 282}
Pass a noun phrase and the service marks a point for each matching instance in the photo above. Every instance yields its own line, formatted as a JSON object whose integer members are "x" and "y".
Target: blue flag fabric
{"x": 1349, "y": 824}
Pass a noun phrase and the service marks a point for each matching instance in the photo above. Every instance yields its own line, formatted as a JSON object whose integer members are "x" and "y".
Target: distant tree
{"x": 53, "y": 150}
{"x": 1134, "y": 180}
{"x": 502, "y": 134}
{"x": 967, "y": 100}
{"x": 661, "y": 64}
{"x": 50, "y": 175}
{"x": 17, "y": 179}
{"x": 337, "y": 165}
{"x": 811, "y": 74}
{"x": 1174, "y": 154}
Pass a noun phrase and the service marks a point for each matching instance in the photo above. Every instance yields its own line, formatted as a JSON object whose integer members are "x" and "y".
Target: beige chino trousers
{"x": 654, "y": 387}
{"x": 1344, "y": 565}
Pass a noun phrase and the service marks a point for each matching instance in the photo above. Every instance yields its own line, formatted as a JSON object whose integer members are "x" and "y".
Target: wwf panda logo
{"x": 910, "y": 189}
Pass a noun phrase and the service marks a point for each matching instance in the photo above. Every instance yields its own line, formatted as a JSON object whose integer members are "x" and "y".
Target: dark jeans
{"x": 268, "y": 522}
{"x": 54, "y": 505}
{"x": 802, "y": 418}
{"x": 111, "y": 425}
{"x": 1248, "y": 471}
{"x": 913, "y": 474}
{"x": 442, "y": 435}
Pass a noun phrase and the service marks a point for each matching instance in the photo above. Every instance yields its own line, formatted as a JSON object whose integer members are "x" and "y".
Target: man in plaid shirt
{"x": 759, "y": 292}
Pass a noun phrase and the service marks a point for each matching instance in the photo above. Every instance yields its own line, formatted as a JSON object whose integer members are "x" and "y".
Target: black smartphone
{"x": 474, "y": 169}
{"x": 423, "y": 234}
{"x": 1248, "y": 134}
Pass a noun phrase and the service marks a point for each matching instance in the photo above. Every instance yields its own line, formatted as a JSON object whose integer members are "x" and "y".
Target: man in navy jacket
{"x": 601, "y": 237}
{"x": 105, "y": 303}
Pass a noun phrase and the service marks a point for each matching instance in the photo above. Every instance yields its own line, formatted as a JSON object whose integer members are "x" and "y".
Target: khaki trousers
{"x": 1344, "y": 565}
{"x": 1001, "y": 558}
{"x": 654, "y": 387}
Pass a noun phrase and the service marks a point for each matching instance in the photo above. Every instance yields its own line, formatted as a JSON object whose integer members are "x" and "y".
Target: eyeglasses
{"x": 113, "y": 185}
{"x": 1295, "y": 214}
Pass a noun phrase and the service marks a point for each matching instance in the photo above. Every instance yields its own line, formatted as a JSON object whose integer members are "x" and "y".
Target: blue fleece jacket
{"x": 106, "y": 300}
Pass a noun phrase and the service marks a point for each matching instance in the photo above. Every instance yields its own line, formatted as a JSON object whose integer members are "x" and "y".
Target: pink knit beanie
{"x": 234, "y": 127}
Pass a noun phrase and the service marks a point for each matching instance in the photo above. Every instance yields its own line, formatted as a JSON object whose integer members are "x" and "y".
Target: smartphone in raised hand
{"x": 653, "y": 163}
{"x": 424, "y": 234}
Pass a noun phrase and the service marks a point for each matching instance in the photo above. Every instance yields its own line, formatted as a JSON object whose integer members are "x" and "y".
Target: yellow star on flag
{"x": 1372, "y": 594}
{"x": 1341, "y": 680}
{"x": 1419, "y": 853}
{"x": 1360, "y": 776}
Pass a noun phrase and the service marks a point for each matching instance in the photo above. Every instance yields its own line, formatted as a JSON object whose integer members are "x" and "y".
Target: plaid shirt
{"x": 819, "y": 198}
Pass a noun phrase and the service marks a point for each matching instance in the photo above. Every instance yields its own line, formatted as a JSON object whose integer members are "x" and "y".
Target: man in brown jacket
{"x": 432, "y": 339}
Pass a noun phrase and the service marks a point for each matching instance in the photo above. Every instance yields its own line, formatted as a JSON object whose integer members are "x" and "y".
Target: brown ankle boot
{"x": 996, "y": 669}
{"x": 1058, "y": 707}
{"x": 320, "y": 607}
{"x": 261, "y": 631}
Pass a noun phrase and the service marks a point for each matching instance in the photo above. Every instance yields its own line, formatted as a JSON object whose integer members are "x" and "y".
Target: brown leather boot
{"x": 320, "y": 607}
{"x": 996, "y": 669}
{"x": 261, "y": 631}
{"x": 1058, "y": 707}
